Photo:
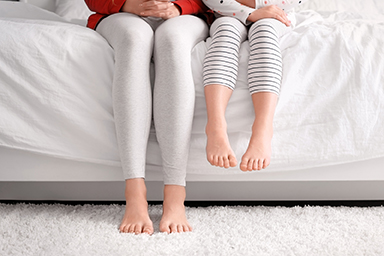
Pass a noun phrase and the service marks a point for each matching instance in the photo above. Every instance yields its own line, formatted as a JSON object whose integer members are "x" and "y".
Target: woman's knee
{"x": 185, "y": 30}
{"x": 126, "y": 29}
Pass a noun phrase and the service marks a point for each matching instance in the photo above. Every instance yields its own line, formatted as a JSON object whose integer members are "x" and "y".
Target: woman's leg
{"x": 264, "y": 78}
{"x": 132, "y": 40}
{"x": 220, "y": 76}
{"x": 174, "y": 100}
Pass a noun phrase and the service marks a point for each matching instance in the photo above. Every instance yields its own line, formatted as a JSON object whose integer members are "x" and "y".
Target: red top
{"x": 104, "y": 8}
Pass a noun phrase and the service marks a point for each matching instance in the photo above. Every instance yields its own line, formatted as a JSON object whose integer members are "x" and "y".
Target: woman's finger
{"x": 166, "y": 13}
{"x": 155, "y": 5}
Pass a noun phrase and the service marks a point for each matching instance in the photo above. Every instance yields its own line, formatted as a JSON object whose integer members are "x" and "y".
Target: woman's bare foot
{"x": 219, "y": 151}
{"x": 258, "y": 154}
{"x": 136, "y": 218}
{"x": 174, "y": 219}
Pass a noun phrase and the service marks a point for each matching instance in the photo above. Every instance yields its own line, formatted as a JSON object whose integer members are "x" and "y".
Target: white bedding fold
{"x": 56, "y": 90}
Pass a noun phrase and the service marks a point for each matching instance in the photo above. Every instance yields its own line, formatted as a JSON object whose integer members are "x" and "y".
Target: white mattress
{"x": 55, "y": 90}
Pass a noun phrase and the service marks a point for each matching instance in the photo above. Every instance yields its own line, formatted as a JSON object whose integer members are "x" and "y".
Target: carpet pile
{"x": 58, "y": 229}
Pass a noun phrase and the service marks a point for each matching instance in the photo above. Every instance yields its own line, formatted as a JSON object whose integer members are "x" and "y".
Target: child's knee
{"x": 227, "y": 22}
{"x": 268, "y": 21}
{"x": 271, "y": 25}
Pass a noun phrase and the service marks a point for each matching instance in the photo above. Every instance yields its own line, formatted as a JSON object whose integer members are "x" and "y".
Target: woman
{"x": 139, "y": 30}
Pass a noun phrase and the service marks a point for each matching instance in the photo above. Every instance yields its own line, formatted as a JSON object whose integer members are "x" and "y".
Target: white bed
{"x": 57, "y": 137}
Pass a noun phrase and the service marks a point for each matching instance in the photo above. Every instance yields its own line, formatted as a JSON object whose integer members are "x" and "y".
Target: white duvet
{"x": 55, "y": 90}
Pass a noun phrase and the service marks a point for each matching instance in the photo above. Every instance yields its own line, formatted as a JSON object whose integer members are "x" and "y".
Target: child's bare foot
{"x": 136, "y": 219}
{"x": 174, "y": 218}
{"x": 258, "y": 154}
{"x": 219, "y": 151}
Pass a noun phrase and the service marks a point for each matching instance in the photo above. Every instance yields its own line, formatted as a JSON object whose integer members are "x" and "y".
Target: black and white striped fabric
{"x": 222, "y": 59}
{"x": 265, "y": 61}
{"x": 265, "y": 67}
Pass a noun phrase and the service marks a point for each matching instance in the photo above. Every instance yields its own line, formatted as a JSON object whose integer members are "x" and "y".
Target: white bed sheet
{"x": 55, "y": 89}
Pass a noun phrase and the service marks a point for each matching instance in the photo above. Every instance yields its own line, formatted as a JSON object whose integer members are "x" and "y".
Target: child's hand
{"x": 271, "y": 11}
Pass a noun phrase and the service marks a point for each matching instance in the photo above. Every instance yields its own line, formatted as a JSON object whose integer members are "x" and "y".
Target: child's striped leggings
{"x": 265, "y": 61}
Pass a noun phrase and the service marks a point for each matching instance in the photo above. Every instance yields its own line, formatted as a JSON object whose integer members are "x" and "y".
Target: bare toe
{"x": 165, "y": 228}
{"x": 250, "y": 164}
{"x": 185, "y": 228}
{"x": 232, "y": 161}
{"x": 123, "y": 229}
{"x": 148, "y": 230}
{"x": 226, "y": 162}
{"x": 138, "y": 229}
{"x": 131, "y": 229}
{"x": 266, "y": 163}
{"x": 255, "y": 165}
{"x": 221, "y": 161}
{"x": 260, "y": 165}
{"x": 244, "y": 164}
{"x": 215, "y": 161}
{"x": 173, "y": 228}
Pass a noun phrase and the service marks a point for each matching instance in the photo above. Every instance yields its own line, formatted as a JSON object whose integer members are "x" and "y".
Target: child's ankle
{"x": 216, "y": 127}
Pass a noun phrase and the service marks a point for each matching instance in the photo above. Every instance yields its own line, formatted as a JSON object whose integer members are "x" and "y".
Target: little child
{"x": 267, "y": 22}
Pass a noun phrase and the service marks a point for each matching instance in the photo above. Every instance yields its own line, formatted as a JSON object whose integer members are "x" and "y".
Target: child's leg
{"x": 219, "y": 151}
{"x": 174, "y": 102}
{"x": 220, "y": 75}
{"x": 264, "y": 78}
{"x": 258, "y": 153}
{"x": 132, "y": 40}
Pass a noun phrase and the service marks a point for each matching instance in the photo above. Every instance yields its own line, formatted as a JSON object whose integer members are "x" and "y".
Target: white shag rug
{"x": 57, "y": 229}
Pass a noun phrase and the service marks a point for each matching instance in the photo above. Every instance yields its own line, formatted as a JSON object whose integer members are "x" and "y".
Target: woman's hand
{"x": 271, "y": 11}
{"x": 153, "y": 8}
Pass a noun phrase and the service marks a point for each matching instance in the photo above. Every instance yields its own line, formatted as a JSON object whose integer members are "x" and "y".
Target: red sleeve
{"x": 102, "y": 8}
{"x": 191, "y": 6}
{"x": 105, "y": 6}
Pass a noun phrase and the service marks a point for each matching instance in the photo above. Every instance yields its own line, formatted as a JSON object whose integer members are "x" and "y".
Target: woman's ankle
{"x": 174, "y": 195}
{"x": 135, "y": 190}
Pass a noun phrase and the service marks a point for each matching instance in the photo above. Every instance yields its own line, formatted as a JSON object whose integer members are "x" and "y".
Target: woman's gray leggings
{"x": 135, "y": 40}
